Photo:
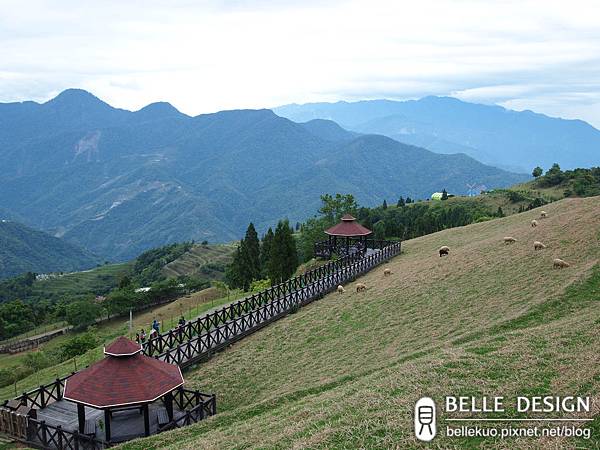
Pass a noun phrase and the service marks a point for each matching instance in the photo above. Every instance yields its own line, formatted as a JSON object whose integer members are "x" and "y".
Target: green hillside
{"x": 346, "y": 371}
{"x": 205, "y": 261}
{"x": 23, "y": 249}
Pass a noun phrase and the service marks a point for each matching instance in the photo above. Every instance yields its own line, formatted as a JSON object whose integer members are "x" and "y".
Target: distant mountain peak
{"x": 78, "y": 98}
{"x": 160, "y": 109}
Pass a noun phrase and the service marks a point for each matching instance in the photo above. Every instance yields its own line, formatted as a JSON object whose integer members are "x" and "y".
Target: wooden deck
{"x": 125, "y": 425}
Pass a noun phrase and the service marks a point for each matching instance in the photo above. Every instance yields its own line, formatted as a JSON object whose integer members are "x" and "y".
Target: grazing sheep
{"x": 361, "y": 287}
{"x": 537, "y": 245}
{"x": 509, "y": 240}
{"x": 543, "y": 214}
{"x": 386, "y": 272}
{"x": 559, "y": 264}
{"x": 341, "y": 289}
{"x": 444, "y": 250}
{"x": 534, "y": 223}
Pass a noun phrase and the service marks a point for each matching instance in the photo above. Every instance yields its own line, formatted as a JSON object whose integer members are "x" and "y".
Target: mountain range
{"x": 23, "y": 249}
{"x": 517, "y": 141}
{"x": 119, "y": 182}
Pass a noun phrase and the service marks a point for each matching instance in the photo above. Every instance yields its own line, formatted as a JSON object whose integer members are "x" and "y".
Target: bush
{"x": 78, "y": 345}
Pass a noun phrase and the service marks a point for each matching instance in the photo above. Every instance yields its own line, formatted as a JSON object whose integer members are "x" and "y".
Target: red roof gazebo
{"x": 124, "y": 379}
{"x": 349, "y": 230}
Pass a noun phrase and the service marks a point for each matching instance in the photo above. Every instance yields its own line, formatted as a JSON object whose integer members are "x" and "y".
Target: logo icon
{"x": 425, "y": 422}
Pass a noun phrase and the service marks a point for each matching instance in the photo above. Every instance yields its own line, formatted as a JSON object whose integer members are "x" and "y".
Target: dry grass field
{"x": 489, "y": 319}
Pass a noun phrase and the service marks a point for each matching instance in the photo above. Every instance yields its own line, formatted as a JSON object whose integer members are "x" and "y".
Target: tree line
{"x": 273, "y": 258}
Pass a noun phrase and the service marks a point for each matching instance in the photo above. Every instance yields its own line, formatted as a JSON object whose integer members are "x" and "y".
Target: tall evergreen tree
{"x": 265, "y": 252}
{"x": 400, "y": 202}
{"x": 384, "y": 204}
{"x": 251, "y": 254}
{"x": 444, "y": 194}
{"x": 284, "y": 256}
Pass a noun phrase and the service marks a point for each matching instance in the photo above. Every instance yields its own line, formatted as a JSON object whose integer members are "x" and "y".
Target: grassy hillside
{"x": 23, "y": 249}
{"x": 346, "y": 371}
{"x": 206, "y": 261}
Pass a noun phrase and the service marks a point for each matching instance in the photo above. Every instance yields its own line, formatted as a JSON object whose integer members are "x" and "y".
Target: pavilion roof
{"x": 348, "y": 227}
{"x": 122, "y": 347}
{"x": 122, "y": 380}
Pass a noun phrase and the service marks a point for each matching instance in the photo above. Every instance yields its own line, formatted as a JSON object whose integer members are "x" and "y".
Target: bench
{"x": 90, "y": 428}
{"x": 163, "y": 417}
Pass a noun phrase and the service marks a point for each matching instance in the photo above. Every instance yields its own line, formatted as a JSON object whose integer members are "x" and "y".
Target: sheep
{"x": 509, "y": 240}
{"x": 534, "y": 223}
{"x": 543, "y": 214}
{"x": 559, "y": 264}
{"x": 361, "y": 287}
{"x": 444, "y": 250}
{"x": 537, "y": 245}
{"x": 341, "y": 289}
{"x": 386, "y": 272}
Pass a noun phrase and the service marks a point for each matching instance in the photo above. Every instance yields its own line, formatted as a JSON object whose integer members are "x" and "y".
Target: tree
{"x": 384, "y": 206}
{"x": 554, "y": 175}
{"x": 379, "y": 230}
{"x": 265, "y": 251}
{"x": 82, "y": 313}
{"x": 250, "y": 252}
{"x": 408, "y": 200}
{"x": 500, "y": 213}
{"x": 283, "y": 261}
{"x": 401, "y": 202}
{"x": 333, "y": 208}
{"x": 537, "y": 172}
{"x": 444, "y": 194}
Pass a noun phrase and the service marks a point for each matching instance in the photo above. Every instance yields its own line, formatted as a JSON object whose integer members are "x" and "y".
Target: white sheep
{"x": 444, "y": 250}
{"x": 387, "y": 272}
{"x": 537, "y": 245}
{"x": 534, "y": 223}
{"x": 509, "y": 240}
{"x": 543, "y": 214}
{"x": 559, "y": 264}
{"x": 341, "y": 289}
{"x": 361, "y": 287}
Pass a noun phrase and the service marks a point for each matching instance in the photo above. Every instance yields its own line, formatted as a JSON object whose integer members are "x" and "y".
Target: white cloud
{"x": 205, "y": 56}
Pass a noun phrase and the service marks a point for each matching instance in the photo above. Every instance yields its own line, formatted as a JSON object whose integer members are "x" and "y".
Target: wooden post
{"x": 146, "y": 420}
{"x": 107, "y": 425}
{"x": 169, "y": 405}
{"x": 81, "y": 417}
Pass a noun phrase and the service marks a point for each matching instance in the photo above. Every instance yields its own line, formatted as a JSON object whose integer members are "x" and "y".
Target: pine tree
{"x": 401, "y": 202}
{"x": 444, "y": 194}
{"x": 251, "y": 253}
{"x": 384, "y": 204}
{"x": 265, "y": 252}
{"x": 284, "y": 256}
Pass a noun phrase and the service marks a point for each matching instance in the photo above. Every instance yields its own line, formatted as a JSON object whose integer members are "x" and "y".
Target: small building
{"x": 345, "y": 238}
{"x": 437, "y": 196}
{"x": 125, "y": 380}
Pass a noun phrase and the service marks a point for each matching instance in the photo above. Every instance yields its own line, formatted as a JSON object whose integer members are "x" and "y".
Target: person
{"x": 143, "y": 336}
{"x": 137, "y": 337}
{"x": 181, "y": 322}
{"x": 156, "y": 326}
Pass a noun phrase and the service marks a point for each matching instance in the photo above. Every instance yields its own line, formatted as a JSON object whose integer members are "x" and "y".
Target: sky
{"x": 205, "y": 56}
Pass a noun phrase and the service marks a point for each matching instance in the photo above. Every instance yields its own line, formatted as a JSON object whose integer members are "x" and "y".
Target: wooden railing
{"x": 196, "y": 406}
{"x": 200, "y": 338}
{"x": 194, "y": 328}
{"x": 200, "y": 347}
{"x": 40, "y": 434}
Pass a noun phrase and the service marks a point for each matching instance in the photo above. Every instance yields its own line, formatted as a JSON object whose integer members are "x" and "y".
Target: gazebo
{"x": 125, "y": 379}
{"x": 347, "y": 230}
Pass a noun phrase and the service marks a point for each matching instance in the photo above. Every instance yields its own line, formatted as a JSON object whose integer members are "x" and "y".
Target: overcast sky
{"x": 204, "y": 56}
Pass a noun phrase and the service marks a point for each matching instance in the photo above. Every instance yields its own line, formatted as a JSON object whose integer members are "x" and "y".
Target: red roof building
{"x": 348, "y": 227}
{"x": 124, "y": 378}
{"x": 353, "y": 237}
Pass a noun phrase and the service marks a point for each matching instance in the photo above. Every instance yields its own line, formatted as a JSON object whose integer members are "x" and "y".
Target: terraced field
{"x": 207, "y": 261}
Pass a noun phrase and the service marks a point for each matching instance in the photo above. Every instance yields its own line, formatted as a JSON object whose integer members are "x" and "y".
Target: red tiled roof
{"x": 348, "y": 227}
{"x": 122, "y": 347}
{"x": 118, "y": 381}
